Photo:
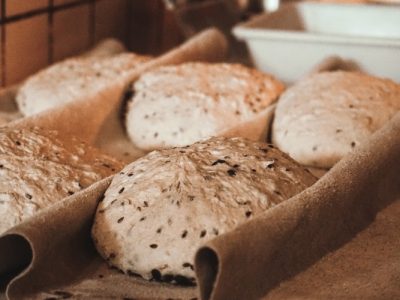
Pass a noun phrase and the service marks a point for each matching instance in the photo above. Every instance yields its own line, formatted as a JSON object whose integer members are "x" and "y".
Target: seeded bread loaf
{"x": 37, "y": 170}
{"x": 159, "y": 209}
{"x": 179, "y": 105}
{"x": 73, "y": 79}
{"x": 325, "y": 116}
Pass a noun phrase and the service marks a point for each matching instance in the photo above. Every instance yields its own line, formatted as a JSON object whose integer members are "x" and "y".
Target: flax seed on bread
{"x": 179, "y": 105}
{"x": 159, "y": 209}
{"x": 73, "y": 79}
{"x": 37, "y": 169}
{"x": 325, "y": 116}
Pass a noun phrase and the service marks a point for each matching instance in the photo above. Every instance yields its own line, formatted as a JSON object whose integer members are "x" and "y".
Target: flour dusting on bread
{"x": 73, "y": 79}
{"x": 325, "y": 116}
{"x": 180, "y": 105}
{"x": 37, "y": 170}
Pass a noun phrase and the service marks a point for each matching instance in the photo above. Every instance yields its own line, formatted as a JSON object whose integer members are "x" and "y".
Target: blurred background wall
{"x": 35, "y": 33}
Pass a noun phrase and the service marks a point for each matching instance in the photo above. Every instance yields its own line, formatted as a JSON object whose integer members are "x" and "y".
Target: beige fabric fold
{"x": 52, "y": 235}
{"x": 255, "y": 129}
{"x": 368, "y": 267}
{"x": 58, "y": 257}
{"x": 253, "y": 260}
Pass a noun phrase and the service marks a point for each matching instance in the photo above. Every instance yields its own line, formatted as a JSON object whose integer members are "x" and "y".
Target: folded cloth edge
{"x": 293, "y": 235}
{"x": 40, "y": 250}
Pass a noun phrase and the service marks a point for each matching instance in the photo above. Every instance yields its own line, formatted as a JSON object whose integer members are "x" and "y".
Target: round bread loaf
{"x": 180, "y": 105}
{"x": 73, "y": 79}
{"x": 325, "y": 116}
{"x": 161, "y": 208}
{"x": 37, "y": 170}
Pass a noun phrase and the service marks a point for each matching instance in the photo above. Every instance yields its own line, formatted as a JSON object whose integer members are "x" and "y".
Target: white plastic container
{"x": 290, "y": 41}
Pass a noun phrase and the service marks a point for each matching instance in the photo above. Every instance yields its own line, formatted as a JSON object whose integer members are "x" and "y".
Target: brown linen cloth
{"x": 338, "y": 239}
{"x": 253, "y": 260}
{"x": 57, "y": 246}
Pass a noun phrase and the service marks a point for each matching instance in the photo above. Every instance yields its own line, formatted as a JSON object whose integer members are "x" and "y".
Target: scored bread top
{"x": 73, "y": 79}
{"x": 37, "y": 170}
{"x": 179, "y": 105}
{"x": 159, "y": 209}
{"x": 325, "y": 116}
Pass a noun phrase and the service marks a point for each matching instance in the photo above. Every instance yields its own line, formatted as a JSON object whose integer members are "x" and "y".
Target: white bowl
{"x": 290, "y": 41}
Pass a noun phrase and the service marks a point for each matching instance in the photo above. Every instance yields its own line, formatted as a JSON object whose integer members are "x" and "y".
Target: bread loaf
{"x": 159, "y": 209}
{"x": 179, "y": 105}
{"x": 73, "y": 79}
{"x": 325, "y": 116}
{"x": 37, "y": 170}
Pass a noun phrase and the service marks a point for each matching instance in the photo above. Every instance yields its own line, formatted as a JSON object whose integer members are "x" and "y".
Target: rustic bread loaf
{"x": 159, "y": 209}
{"x": 37, "y": 170}
{"x": 325, "y": 116}
{"x": 179, "y": 105}
{"x": 72, "y": 79}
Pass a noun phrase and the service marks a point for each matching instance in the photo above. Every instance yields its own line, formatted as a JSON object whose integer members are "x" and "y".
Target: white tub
{"x": 290, "y": 41}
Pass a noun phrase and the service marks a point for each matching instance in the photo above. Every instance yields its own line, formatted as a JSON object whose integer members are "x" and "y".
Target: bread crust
{"x": 325, "y": 116}
{"x": 159, "y": 209}
{"x": 73, "y": 79}
{"x": 180, "y": 105}
{"x": 37, "y": 170}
